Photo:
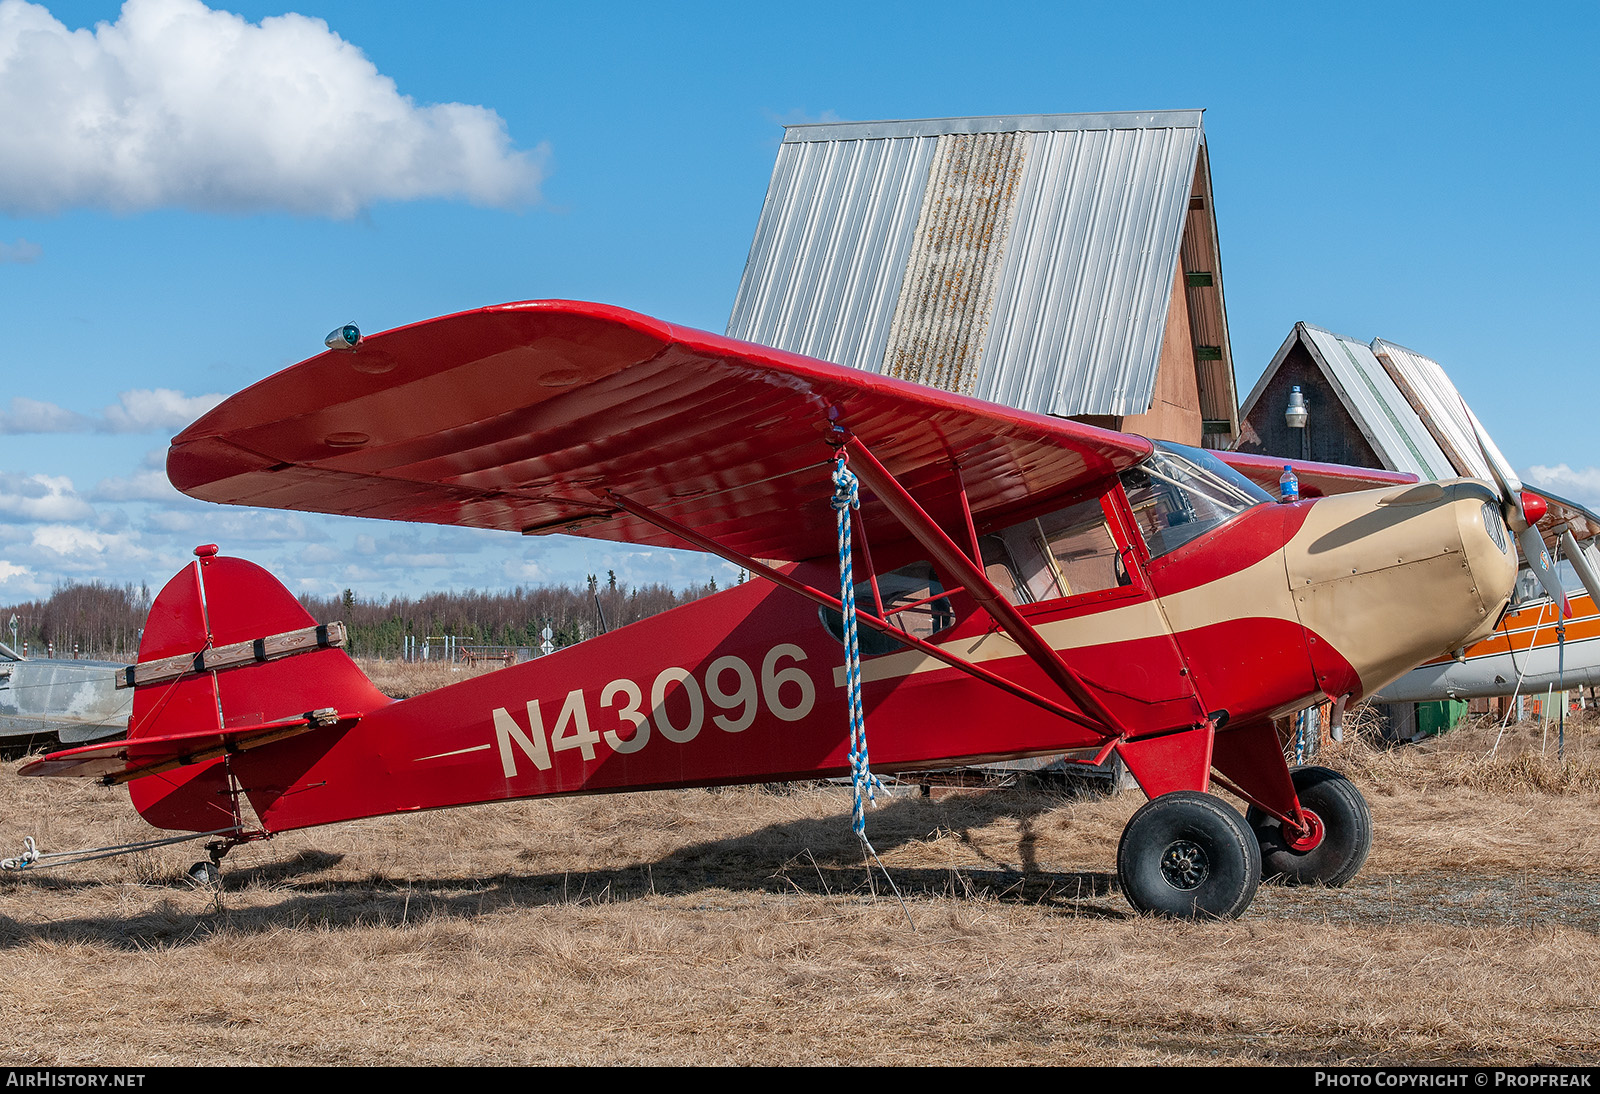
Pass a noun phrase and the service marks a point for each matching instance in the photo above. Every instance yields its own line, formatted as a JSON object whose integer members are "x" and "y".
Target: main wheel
{"x": 1346, "y": 832}
{"x": 1188, "y": 855}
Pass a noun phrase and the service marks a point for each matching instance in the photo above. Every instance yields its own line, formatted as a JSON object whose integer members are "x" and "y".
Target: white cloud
{"x": 19, "y": 582}
{"x": 1581, "y": 485}
{"x": 418, "y": 561}
{"x": 69, "y": 539}
{"x": 138, "y": 410}
{"x": 321, "y": 554}
{"x": 522, "y": 570}
{"x": 33, "y": 416}
{"x": 168, "y": 520}
{"x": 20, "y": 252}
{"x": 71, "y": 550}
{"x": 42, "y": 498}
{"x": 139, "y": 486}
{"x": 144, "y": 410}
{"x": 260, "y": 526}
{"x": 175, "y": 104}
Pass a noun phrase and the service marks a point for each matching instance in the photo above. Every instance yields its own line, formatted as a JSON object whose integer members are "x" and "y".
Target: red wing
{"x": 523, "y": 416}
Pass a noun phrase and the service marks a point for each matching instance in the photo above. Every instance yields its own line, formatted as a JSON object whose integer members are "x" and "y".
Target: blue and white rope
{"x": 847, "y": 496}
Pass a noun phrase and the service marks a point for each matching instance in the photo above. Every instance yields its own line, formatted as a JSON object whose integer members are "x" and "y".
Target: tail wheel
{"x": 206, "y": 875}
{"x": 1346, "y": 832}
{"x": 1187, "y": 855}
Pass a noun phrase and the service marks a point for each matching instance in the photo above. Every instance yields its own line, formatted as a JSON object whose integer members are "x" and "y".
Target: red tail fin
{"x": 211, "y": 604}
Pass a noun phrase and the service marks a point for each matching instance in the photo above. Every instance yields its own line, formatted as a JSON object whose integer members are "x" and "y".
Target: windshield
{"x": 1180, "y": 493}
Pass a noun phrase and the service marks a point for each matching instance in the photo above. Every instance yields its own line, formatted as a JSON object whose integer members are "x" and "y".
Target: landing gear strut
{"x": 1188, "y": 855}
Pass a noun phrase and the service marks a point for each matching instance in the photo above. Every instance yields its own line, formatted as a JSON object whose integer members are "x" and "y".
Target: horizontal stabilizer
{"x": 115, "y": 762}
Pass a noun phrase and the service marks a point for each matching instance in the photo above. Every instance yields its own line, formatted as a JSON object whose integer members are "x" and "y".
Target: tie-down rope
{"x": 34, "y": 859}
{"x": 846, "y": 497}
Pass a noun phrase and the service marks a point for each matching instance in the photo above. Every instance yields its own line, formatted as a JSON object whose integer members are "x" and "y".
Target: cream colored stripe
{"x": 1260, "y": 591}
{"x": 457, "y": 752}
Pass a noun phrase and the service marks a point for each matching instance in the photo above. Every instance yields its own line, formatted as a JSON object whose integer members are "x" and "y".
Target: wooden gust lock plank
{"x": 212, "y": 659}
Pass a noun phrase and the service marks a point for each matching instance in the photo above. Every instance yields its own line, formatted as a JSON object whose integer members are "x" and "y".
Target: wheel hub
{"x": 1185, "y": 865}
{"x": 1309, "y": 838}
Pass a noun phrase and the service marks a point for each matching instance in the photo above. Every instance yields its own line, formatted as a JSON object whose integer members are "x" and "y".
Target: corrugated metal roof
{"x": 823, "y": 276}
{"x": 1027, "y": 260}
{"x": 1365, "y": 388}
{"x": 1438, "y": 403}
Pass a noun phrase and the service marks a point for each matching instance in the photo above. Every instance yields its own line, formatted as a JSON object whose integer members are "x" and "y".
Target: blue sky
{"x": 1421, "y": 172}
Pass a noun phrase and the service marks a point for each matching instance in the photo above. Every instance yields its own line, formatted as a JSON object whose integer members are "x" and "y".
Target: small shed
{"x": 1375, "y": 404}
{"x": 1065, "y": 264}
{"x": 1368, "y": 404}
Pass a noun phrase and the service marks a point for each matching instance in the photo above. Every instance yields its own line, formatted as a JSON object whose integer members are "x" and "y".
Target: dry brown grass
{"x": 738, "y": 927}
{"x": 402, "y": 679}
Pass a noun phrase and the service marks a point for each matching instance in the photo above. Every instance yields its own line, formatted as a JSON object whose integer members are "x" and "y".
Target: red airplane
{"x": 1024, "y": 586}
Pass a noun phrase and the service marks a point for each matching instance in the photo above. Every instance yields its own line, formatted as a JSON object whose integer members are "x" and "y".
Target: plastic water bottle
{"x": 1288, "y": 485}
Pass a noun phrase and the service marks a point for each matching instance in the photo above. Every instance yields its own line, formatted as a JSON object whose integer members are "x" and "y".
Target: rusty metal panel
{"x": 1033, "y": 269}
{"x": 947, "y": 293}
{"x": 1438, "y": 403}
{"x": 1089, "y": 269}
{"x": 824, "y": 273}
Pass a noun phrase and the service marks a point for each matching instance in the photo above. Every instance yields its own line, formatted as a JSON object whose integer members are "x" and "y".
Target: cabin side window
{"x": 1066, "y": 553}
{"x": 913, "y": 600}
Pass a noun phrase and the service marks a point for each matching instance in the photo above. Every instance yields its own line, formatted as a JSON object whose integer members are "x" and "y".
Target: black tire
{"x": 1188, "y": 855}
{"x": 207, "y": 875}
{"x": 1346, "y": 832}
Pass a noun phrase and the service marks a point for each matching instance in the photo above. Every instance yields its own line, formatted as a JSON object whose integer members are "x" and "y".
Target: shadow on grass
{"x": 818, "y": 857}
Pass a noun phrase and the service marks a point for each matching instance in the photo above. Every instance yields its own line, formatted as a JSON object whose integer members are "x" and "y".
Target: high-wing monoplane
{"x": 1023, "y": 585}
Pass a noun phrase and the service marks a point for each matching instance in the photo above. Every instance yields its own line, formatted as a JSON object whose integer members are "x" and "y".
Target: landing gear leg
{"x": 1188, "y": 855}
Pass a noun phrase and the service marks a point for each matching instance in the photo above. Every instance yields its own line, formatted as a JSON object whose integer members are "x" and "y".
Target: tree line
{"x": 103, "y": 621}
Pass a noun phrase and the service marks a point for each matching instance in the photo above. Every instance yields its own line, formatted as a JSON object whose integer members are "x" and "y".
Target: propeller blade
{"x": 1538, "y": 560}
{"x": 1520, "y": 520}
{"x": 1504, "y": 477}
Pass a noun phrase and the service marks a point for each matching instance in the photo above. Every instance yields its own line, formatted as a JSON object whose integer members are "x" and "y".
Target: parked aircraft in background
{"x": 75, "y": 701}
{"x": 1531, "y": 651}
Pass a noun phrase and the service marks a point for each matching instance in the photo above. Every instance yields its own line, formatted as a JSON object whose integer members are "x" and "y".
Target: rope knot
{"x": 847, "y": 490}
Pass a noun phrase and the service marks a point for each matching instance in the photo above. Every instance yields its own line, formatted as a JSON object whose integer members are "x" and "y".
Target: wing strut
{"x": 955, "y": 561}
{"x": 787, "y": 581}
{"x": 969, "y": 574}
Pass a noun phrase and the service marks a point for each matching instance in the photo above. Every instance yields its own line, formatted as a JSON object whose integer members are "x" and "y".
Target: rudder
{"x": 213, "y": 603}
